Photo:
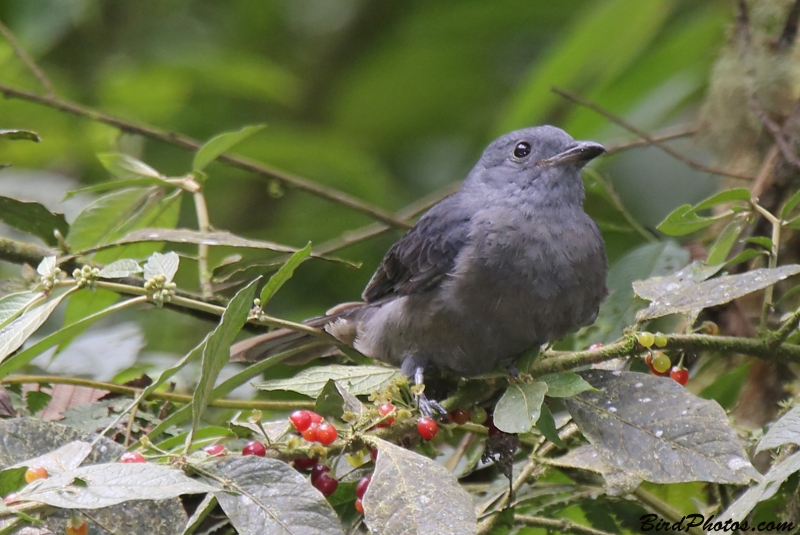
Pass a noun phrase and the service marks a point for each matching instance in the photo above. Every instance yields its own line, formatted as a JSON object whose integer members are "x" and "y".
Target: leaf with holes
{"x": 410, "y": 493}
{"x": 713, "y": 292}
{"x": 655, "y": 429}
{"x": 102, "y": 485}
{"x": 269, "y": 497}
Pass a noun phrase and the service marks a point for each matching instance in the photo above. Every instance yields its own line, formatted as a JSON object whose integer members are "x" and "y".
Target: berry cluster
{"x": 313, "y": 428}
{"x": 659, "y": 362}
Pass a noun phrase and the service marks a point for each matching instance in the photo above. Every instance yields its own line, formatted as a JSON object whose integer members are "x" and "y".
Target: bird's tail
{"x": 266, "y": 345}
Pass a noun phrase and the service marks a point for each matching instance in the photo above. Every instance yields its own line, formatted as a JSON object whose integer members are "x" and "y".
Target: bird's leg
{"x": 414, "y": 368}
{"x": 428, "y": 407}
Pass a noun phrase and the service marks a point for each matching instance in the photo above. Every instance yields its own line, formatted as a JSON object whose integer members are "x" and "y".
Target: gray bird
{"x": 508, "y": 263}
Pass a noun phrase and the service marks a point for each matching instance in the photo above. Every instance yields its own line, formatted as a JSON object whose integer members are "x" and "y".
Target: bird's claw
{"x": 430, "y": 407}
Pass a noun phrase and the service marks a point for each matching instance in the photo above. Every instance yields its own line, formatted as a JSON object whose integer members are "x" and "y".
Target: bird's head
{"x": 542, "y": 159}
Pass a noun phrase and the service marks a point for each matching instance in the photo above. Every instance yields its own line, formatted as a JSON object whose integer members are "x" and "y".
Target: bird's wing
{"x": 425, "y": 255}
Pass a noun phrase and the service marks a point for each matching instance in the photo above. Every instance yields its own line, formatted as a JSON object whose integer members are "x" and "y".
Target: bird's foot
{"x": 430, "y": 407}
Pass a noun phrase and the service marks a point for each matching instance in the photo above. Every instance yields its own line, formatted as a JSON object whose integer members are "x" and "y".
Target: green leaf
{"x": 683, "y": 220}
{"x": 12, "y": 305}
{"x": 724, "y": 197}
{"x": 13, "y": 335}
{"x": 335, "y": 400}
{"x": 126, "y": 167}
{"x": 82, "y": 304}
{"x": 283, "y": 274}
{"x": 790, "y": 205}
{"x": 109, "y": 216}
{"x": 689, "y": 297}
{"x": 657, "y": 430}
{"x": 222, "y": 143}
{"x": 33, "y": 218}
{"x": 358, "y": 380}
{"x": 269, "y": 497}
{"x": 117, "y": 184}
{"x": 216, "y": 347}
{"x": 36, "y": 400}
{"x": 718, "y": 252}
{"x": 22, "y": 358}
{"x": 165, "y": 265}
{"x": 564, "y": 385}
{"x": 519, "y": 408}
{"x": 120, "y": 269}
{"x": 574, "y": 58}
{"x": 763, "y": 241}
{"x": 20, "y": 134}
{"x": 109, "y": 484}
{"x": 547, "y": 427}
{"x": 619, "y": 310}
{"x": 410, "y": 493}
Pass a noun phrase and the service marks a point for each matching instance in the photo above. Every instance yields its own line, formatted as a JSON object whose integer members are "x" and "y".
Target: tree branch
{"x": 186, "y": 142}
{"x": 646, "y": 137}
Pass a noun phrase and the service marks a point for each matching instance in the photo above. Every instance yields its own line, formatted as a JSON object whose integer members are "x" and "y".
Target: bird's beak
{"x": 582, "y": 151}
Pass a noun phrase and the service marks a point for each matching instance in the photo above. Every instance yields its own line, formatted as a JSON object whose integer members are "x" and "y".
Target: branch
{"x": 646, "y": 137}
{"x": 165, "y": 396}
{"x": 27, "y": 60}
{"x": 186, "y": 142}
{"x": 562, "y": 525}
{"x": 777, "y": 133}
{"x": 18, "y": 252}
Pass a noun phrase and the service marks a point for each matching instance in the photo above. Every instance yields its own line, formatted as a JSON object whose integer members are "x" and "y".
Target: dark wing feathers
{"x": 425, "y": 255}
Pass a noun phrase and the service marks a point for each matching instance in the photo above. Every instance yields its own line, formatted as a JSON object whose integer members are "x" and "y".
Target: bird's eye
{"x": 522, "y": 149}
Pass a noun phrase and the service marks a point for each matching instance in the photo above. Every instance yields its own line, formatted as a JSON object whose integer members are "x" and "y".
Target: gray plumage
{"x": 509, "y": 262}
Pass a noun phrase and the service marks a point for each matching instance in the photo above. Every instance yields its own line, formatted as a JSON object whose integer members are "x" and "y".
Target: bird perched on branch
{"x": 508, "y": 263}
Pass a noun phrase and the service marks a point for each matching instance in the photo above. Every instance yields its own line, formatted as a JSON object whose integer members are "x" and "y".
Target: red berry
{"x": 317, "y": 471}
{"x": 301, "y": 420}
{"x": 326, "y": 484}
{"x": 132, "y": 457}
{"x": 373, "y": 454}
{"x": 359, "y": 506}
{"x": 310, "y": 434}
{"x": 77, "y": 527}
{"x": 35, "y": 472}
{"x": 305, "y": 463}
{"x": 254, "y": 447}
{"x": 460, "y": 416}
{"x": 326, "y": 434}
{"x": 427, "y": 428}
{"x": 361, "y": 488}
{"x": 214, "y": 449}
{"x": 680, "y": 375}
{"x": 315, "y": 418}
{"x": 386, "y": 409}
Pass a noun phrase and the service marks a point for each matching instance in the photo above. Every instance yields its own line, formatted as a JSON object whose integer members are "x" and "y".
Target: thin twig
{"x": 765, "y": 172}
{"x": 353, "y": 237}
{"x": 166, "y": 396}
{"x": 612, "y": 194}
{"x": 645, "y": 136}
{"x": 186, "y": 142}
{"x": 561, "y": 525}
{"x": 786, "y": 329}
{"x": 679, "y": 133}
{"x": 203, "y": 225}
{"x": 777, "y": 133}
{"x": 27, "y": 60}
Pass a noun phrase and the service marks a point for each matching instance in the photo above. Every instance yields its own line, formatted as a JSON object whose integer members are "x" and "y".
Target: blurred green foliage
{"x": 387, "y": 101}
